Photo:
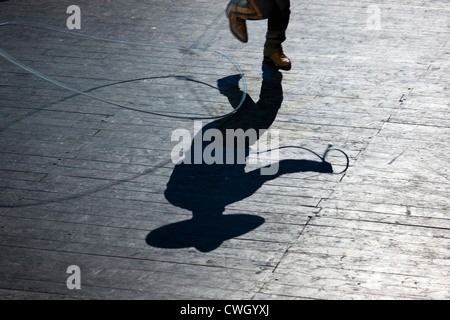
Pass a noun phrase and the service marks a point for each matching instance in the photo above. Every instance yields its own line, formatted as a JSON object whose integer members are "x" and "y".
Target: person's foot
{"x": 280, "y": 60}
{"x": 238, "y": 28}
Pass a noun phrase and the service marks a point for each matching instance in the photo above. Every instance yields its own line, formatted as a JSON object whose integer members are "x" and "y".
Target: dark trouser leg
{"x": 278, "y": 21}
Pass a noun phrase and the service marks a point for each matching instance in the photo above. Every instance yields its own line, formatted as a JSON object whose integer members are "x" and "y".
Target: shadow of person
{"x": 206, "y": 189}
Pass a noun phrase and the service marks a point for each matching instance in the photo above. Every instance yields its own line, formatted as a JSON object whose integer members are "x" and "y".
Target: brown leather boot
{"x": 238, "y": 28}
{"x": 280, "y": 60}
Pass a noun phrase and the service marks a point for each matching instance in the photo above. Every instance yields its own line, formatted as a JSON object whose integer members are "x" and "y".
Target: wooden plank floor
{"x": 85, "y": 183}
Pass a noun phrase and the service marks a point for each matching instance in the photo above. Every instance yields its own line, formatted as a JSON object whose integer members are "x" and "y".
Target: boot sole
{"x": 270, "y": 62}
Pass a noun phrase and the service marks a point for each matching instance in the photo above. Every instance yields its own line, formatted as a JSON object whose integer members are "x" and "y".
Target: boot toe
{"x": 239, "y": 28}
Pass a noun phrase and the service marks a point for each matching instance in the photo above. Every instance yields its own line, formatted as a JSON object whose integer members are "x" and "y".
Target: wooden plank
{"x": 84, "y": 182}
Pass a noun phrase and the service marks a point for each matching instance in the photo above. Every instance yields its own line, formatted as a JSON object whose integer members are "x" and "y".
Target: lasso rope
{"x": 16, "y": 62}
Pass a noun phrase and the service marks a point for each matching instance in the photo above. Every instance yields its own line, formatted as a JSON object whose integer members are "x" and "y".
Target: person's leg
{"x": 276, "y": 34}
{"x": 238, "y": 11}
{"x": 276, "y": 27}
{"x": 276, "y": 11}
